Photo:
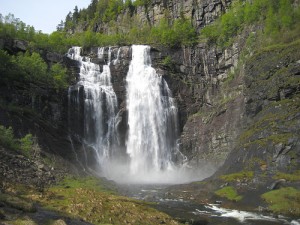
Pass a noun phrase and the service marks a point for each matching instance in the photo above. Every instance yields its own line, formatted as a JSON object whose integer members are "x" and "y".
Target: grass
{"x": 288, "y": 176}
{"x": 24, "y": 221}
{"x": 284, "y": 201}
{"x": 243, "y": 175}
{"x": 87, "y": 199}
{"x": 229, "y": 193}
{"x": 17, "y": 203}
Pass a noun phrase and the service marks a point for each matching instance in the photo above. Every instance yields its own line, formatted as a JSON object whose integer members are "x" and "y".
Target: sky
{"x": 44, "y": 15}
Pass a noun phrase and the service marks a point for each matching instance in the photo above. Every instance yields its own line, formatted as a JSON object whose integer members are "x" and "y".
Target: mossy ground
{"x": 243, "y": 175}
{"x": 288, "y": 176}
{"x": 284, "y": 201}
{"x": 87, "y": 199}
{"x": 229, "y": 193}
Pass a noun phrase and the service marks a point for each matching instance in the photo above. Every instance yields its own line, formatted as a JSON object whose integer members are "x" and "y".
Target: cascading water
{"x": 152, "y": 120}
{"x": 152, "y": 154}
{"x": 100, "y": 105}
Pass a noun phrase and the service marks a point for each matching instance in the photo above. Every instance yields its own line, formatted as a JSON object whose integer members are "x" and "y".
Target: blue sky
{"x": 42, "y": 14}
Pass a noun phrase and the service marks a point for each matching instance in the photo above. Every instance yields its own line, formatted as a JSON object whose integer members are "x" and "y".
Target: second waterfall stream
{"x": 151, "y": 151}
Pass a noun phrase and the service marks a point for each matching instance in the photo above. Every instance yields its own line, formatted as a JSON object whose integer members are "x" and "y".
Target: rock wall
{"x": 39, "y": 110}
{"x": 270, "y": 139}
{"x": 210, "y": 111}
{"x": 199, "y": 12}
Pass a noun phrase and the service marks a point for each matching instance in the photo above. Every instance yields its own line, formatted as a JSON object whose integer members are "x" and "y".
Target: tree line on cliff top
{"x": 277, "y": 19}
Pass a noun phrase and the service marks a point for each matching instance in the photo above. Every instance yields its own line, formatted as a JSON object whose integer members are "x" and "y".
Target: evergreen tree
{"x": 60, "y": 26}
{"x": 75, "y": 15}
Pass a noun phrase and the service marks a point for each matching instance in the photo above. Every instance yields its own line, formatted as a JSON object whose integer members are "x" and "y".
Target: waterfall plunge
{"x": 152, "y": 118}
{"x": 153, "y": 132}
{"x": 151, "y": 148}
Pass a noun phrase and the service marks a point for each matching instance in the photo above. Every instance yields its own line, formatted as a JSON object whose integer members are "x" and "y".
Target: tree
{"x": 60, "y": 26}
{"x": 33, "y": 67}
{"x": 69, "y": 21}
{"x": 59, "y": 75}
{"x": 75, "y": 15}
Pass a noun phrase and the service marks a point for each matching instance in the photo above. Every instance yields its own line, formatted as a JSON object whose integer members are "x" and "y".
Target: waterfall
{"x": 151, "y": 153}
{"x": 99, "y": 103}
{"x": 152, "y": 118}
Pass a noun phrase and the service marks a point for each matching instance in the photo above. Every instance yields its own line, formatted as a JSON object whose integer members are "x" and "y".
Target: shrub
{"x": 27, "y": 144}
{"x": 7, "y": 138}
{"x": 59, "y": 76}
{"x": 32, "y": 67}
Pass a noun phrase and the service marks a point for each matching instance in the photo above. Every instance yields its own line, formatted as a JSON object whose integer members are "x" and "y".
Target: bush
{"x": 181, "y": 32}
{"x": 59, "y": 76}
{"x": 32, "y": 66}
{"x": 7, "y": 138}
{"x": 27, "y": 144}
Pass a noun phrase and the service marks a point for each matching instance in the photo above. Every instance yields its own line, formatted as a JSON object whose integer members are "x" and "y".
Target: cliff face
{"x": 210, "y": 84}
{"x": 210, "y": 109}
{"x": 224, "y": 103}
{"x": 199, "y": 12}
{"x": 37, "y": 109}
{"x": 270, "y": 139}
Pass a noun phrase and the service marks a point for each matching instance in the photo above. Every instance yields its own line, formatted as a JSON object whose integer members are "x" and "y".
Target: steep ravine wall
{"x": 39, "y": 110}
{"x": 209, "y": 110}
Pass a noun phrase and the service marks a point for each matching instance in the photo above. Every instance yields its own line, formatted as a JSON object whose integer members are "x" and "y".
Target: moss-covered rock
{"x": 229, "y": 193}
{"x": 284, "y": 201}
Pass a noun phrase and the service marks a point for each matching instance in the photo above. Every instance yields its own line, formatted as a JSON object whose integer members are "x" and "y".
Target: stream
{"x": 199, "y": 214}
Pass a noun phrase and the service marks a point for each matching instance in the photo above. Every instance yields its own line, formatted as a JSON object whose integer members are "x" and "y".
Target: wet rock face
{"x": 270, "y": 138}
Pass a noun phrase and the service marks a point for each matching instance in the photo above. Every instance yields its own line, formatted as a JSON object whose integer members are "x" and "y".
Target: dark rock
{"x": 20, "y": 45}
{"x": 2, "y": 216}
{"x": 54, "y": 57}
{"x": 278, "y": 184}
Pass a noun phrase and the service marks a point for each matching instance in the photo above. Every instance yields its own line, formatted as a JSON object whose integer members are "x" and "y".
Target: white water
{"x": 152, "y": 120}
{"x": 100, "y": 105}
{"x": 244, "y": 216}
{"x": 151, "y": 154}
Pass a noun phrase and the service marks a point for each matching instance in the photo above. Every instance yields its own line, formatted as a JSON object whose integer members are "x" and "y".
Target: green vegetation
{"x": 7, "y": 138}
{"x": 288, "y": 176}
{"x": 243, "y": 175}
{"x": 229, "y": 193}
{"x": 277, "y": 17}
{"x": 25, "y": 144}
{"x": 17, "y": 202}
{"x": 86, "y": 198}
{"x": 31, "y": 68}
{"x": 167, "y": 61}
{"x": 284, "y": 201}
{"x": 27, "y": 221}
